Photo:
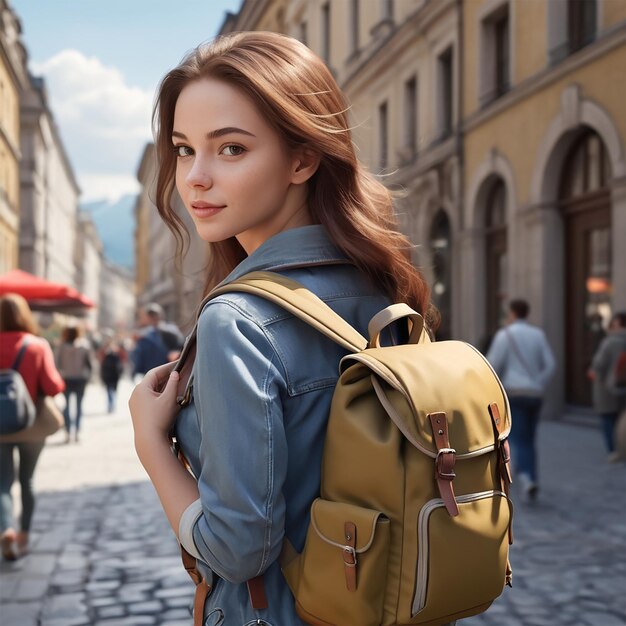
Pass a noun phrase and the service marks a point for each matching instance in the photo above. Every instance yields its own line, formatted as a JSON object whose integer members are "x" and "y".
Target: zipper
{"x": 421, "y": 586}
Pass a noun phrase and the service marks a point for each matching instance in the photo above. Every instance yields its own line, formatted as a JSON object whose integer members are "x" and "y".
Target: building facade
{"x": 49, "y": 193}
{"x": 117, "y": 301}
{"x": 502, "y": 125}
{"x": 176, "y": 285}
{"x": 12, "y": 81}
{"x": 88, "y": 260}
{"x": 544, "y": 139}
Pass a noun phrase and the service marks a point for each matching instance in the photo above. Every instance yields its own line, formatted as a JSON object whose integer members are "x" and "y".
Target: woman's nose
{"x": 199, "y": 176}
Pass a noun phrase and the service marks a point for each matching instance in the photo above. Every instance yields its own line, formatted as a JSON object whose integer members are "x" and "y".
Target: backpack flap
{"x": 451, "y": 377}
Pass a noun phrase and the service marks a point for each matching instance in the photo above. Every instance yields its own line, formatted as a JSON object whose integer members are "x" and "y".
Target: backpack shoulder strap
{"x": 290, "y": 295}
{"x": 300, "y": 302}
{"x": 20, "y": 354}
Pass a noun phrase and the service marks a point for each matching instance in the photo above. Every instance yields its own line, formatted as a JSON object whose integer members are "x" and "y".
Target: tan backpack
{"x": 413, "y": 522}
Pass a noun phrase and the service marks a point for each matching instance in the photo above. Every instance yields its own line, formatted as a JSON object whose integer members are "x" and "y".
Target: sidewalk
{"x": 102, "y": 550}
{"x": 103, "y": 553}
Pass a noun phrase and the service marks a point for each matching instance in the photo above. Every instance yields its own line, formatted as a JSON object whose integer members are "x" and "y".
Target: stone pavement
{"x": 103, "y": 552}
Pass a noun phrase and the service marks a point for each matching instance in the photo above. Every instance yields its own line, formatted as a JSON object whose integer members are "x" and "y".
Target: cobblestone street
{"x": 103, "y": 553}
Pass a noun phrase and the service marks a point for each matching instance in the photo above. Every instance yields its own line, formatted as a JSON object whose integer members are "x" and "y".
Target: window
{"x": 495, "y": 55}
{"x": 326, "y": 33}
{"x": 587, "y": 169}
{"x": 386, "y": 7}
{"x": 445, "y": 93}
{"x": 496, "y": 257}
{"x": 383, "y": 136}
{"x": 354, "y": 26}
{"x": 410, "y": 115}
{"x": 572, "y": 24}
{"x": 304, "y": 35}
{"x": 501, "y": 70}
{"x": 581, "y": 23}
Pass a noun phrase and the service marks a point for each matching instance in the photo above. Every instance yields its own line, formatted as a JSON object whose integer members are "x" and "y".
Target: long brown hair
{"x": 296, "y": 93}
{"x": 15, "y": 315}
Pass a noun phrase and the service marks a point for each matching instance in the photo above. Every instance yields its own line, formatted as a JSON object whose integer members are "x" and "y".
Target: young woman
{"x": 74, "y": 359}
{"x": 17, "y": 328}
{"x": 253, "y": 132}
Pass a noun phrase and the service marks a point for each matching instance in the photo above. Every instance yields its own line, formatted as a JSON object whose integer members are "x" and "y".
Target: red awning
{"x": 42, "y": 294}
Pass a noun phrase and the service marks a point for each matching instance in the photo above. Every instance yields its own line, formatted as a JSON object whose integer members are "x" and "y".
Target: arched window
{"x": 585, "y": 204}
{"x": 496, "y": 256}
{"x": 441, "y": 249}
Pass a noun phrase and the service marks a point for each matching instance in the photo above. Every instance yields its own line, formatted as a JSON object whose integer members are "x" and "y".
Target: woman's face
{"x": 234, "y": 173}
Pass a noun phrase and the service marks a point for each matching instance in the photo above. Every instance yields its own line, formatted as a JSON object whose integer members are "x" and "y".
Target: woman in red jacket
{"x": 37, "y": 368}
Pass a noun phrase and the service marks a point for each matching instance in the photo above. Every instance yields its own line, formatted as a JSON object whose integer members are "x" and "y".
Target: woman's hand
{"x": 152, "y": 405}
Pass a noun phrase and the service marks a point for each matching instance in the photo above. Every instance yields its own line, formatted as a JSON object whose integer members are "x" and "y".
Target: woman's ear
{"x": 305, "y": 164}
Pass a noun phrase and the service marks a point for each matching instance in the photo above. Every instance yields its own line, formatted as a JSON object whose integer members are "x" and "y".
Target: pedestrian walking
{"x": 74, "y": 360}
{"x": 608, "y": 373}
{"x": 111, "y": 368}
{"x": 254, "y": 134}
{"x": 522, "y": 357}
{"x": 18, "y": 329}
{"x": 159, "y": 343}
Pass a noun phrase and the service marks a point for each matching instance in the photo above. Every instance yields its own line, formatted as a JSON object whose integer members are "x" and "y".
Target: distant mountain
{"x": 115, "y": 222}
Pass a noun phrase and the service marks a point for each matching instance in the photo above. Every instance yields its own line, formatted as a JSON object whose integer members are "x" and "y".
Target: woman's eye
{"x": 232, "y": 150}
{"x": 183, "y": 151}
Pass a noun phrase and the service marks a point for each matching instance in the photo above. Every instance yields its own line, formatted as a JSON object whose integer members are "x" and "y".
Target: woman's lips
{"x": 205, "y": 209}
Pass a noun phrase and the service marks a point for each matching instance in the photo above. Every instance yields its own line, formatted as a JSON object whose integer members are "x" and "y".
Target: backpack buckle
{"x": 349, "y": 556}
{"x": 445, "y": 469}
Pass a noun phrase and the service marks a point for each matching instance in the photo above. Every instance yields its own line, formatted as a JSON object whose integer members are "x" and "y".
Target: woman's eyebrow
{"x": 214, "y": 134}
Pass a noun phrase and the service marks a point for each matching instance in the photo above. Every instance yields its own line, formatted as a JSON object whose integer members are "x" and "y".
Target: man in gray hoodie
{"x": 609, "y": 392}
{"x": 522, "y": 358}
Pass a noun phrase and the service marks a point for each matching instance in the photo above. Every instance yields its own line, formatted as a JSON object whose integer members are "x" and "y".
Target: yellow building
{"x": 502, "y": 124}
{"x": 12, "y": 80}
{"x": 544, "y": 177}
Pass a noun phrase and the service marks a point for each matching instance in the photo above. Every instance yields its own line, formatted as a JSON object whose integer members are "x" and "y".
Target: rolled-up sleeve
{"x": 237, "y": 526}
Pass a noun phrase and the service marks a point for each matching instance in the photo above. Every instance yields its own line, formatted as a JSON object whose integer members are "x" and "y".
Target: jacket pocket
{"x": 343, "y": 566}
{"x": 462, "y": 560}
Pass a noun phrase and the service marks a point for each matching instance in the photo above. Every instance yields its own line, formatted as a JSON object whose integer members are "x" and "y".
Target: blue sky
{"x": 102, "y": 60}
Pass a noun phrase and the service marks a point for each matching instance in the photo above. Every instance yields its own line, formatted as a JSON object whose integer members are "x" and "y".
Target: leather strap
{"x": 256, "y": 591}
{"x": 444, "y": 463}
{"x": 504, "y": 456}
{"x": 349, "y": 555}
{"x": 202, "y": 587}
{"x": 504, "y": 450}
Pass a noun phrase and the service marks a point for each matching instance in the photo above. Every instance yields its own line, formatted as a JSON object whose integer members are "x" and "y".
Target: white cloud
{"x": 106, "y": 187}
{"x": 104, "y": 122}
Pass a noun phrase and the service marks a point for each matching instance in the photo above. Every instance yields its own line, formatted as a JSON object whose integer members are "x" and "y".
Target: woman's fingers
{"x": 157, "y": 377}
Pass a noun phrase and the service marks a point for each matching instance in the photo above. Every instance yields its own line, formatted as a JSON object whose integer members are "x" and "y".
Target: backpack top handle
{"x": 391, "y": 314}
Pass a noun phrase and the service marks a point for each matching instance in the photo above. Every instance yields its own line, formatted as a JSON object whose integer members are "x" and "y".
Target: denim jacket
{"x": 254, "y": 431}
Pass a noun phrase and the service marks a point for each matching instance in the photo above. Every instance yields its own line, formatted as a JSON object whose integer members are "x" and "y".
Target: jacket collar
{"x": 296, "y": 247}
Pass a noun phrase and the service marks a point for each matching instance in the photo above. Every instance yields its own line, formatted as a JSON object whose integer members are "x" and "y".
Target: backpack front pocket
{"x": 462, "y": 560}
{"x": 343, "y": 565}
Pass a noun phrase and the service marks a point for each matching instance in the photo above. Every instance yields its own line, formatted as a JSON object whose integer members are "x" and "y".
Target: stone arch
{"x": 576, "y": 113}
{"x": 495, "y": 166}
{"x": 546, "y": 232}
